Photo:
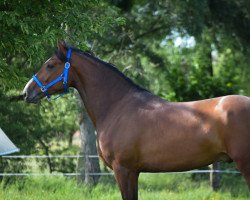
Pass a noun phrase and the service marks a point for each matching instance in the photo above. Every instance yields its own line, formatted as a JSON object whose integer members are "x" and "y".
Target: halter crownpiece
{"x": 63, "y": 77}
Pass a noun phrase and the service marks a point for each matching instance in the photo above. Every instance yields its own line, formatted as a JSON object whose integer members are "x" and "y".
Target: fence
{"x": 227, "y": 171}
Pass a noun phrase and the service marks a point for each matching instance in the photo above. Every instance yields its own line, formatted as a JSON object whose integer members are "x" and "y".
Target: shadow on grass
{"x": 235, "y": 185}
{"x": 170, "y": 182}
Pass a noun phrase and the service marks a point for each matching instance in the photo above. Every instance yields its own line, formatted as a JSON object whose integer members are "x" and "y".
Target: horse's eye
{"x": 50, "y": 66}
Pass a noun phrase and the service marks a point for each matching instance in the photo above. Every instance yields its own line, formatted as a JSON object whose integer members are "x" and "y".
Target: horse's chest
{"x": 105, "y": 150}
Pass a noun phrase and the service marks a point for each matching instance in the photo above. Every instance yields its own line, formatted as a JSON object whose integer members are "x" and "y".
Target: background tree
{"x": 87, "y": 165}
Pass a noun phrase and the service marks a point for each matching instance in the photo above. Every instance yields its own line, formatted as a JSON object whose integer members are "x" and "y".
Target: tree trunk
{"x": 215, "y": 177}
{"x": 86, "y": 164}
{"x": 70, "y": 139}
{"x": 46, "y": 151}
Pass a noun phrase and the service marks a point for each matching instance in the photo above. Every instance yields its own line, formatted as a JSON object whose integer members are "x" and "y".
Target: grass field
{"x": 151, "y": 187}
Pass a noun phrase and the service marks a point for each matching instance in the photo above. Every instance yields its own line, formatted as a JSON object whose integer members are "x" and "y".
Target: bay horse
{"x": 140, "y": 132}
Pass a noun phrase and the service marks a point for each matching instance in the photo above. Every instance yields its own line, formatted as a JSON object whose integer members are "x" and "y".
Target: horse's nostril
{"x": 24, "y": 95}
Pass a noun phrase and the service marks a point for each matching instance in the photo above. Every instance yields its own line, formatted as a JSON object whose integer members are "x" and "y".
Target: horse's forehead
{"x": 51, "y": 59}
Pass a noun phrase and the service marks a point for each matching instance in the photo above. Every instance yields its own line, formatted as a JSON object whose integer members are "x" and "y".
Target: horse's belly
{"x": 180, "y": 155}
{"x": 179, "y": 163}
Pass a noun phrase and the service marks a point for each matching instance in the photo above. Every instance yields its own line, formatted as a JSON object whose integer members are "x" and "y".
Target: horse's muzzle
{"x": 31, "y": 96}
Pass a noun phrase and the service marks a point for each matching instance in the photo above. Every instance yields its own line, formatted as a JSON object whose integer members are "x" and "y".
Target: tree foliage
{"x": 219, "y": 53}
{"x": 29, "y": 32}
{"x": 30, "y": 29}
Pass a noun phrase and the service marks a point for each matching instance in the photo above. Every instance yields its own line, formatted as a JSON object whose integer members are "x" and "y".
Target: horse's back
{"x": 227, "y": 108}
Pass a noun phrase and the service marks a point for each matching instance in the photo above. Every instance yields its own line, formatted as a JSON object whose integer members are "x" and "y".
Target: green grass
{"x": 151, "y": 187}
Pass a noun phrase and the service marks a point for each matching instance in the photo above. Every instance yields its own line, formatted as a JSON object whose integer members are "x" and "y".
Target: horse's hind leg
{"x": 240, "y": 155}
{"x": 244, "y": 167}
{"x": 128, "y": 182}
{"x": 237, "y": 139}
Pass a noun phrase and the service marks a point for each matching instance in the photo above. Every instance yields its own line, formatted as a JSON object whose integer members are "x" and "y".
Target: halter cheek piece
{"x": 63, "y": 77}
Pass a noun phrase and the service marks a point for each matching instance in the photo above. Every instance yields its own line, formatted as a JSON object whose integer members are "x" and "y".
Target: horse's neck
{"x": 100, "y": 88}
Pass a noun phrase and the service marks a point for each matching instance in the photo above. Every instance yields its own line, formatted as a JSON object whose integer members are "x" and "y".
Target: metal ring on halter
{"x": 67, "y": 65}
{"x": 43, "y": 89}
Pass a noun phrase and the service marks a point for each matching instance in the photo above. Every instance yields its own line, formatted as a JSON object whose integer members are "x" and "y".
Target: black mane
{"x": 60, "y": 55}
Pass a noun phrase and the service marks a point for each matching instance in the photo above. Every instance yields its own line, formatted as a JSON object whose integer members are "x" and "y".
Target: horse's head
{"x": 53, "y": 77}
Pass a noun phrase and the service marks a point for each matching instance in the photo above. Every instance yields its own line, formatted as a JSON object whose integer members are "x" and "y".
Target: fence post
{"x": 215, "y": 177}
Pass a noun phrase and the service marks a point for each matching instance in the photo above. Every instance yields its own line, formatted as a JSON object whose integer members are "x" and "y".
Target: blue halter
{"x": 64, "y": 77}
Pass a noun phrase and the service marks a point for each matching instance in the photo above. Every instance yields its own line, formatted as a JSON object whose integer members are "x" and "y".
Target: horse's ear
{"x": 61, "y": 45}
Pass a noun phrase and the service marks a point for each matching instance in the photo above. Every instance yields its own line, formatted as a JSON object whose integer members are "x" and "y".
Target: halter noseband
{"x": 64, "y": 77}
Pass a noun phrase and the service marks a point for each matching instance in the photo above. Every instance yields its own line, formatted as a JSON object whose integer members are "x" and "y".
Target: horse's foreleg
{"x": 127, "y": 181}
